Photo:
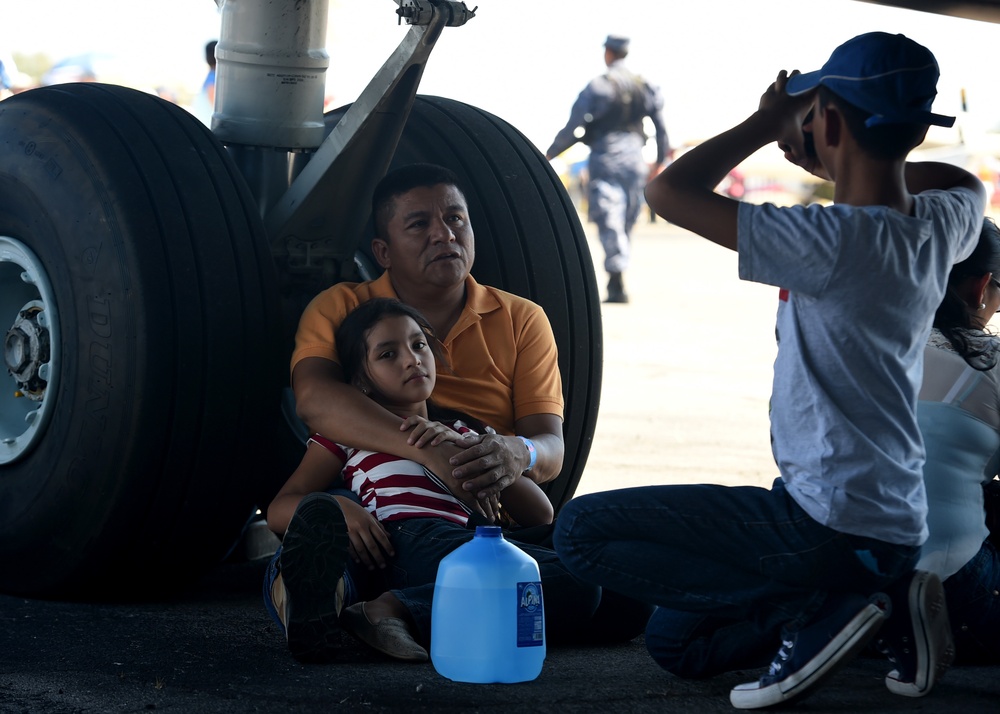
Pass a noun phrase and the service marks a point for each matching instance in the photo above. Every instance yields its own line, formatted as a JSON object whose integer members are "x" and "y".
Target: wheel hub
{"x": 30, "y": 350}
{"x": 26, "y": 352}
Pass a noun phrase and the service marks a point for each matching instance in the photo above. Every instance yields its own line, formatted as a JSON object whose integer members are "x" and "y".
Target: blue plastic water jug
{"x": 487, "y": 619}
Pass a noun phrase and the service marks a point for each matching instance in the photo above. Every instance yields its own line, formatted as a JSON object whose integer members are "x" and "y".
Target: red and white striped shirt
{"x": 392, "y": 488}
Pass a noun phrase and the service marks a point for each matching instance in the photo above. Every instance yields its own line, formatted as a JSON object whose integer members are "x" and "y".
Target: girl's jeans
{"x": 574, "y": 610}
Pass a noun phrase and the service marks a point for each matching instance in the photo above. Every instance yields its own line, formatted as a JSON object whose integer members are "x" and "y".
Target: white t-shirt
{"x": 859, "y": 288}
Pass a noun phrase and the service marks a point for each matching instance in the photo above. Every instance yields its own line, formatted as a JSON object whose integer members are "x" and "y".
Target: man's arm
{"x": 684, "y": 193}
{"x": 663, "y": 150}
{"x": 567, "y": 136}
{"x": 536, "y": 385}
{"x": 497, "y": 461}
{"x": 546, "y": 434}
{"x": 338, "y": 411}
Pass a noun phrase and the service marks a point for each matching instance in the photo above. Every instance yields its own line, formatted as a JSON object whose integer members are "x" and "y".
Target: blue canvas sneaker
{"x": 917, "y": 637}
{"x": 807, "y": 657}
{"x": 313, "y": 559}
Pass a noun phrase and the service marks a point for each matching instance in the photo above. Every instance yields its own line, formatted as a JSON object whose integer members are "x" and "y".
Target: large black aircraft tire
{"x": 146, "y": 260}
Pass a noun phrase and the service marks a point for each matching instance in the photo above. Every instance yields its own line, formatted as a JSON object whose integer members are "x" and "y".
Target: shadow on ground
{"x": 215, "y": 650}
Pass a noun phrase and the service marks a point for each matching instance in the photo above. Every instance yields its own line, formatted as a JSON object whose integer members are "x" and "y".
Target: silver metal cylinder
{"x": 271, "y": 73}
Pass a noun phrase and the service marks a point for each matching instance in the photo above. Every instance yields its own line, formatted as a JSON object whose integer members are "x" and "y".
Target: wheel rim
{"x": 30, "y": 319}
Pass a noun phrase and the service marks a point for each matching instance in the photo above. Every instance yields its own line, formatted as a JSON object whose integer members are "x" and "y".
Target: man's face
{"x": 430, "y": 239}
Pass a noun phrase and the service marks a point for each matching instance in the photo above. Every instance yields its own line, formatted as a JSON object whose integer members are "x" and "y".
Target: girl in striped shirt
{"x": 388, "y": 351}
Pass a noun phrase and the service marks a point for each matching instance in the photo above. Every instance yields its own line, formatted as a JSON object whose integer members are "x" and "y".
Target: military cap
{"x": 616, "y": 43}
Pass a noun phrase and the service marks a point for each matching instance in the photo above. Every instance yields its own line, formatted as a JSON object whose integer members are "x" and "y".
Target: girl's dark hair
{"x": 953, "y": 315}
{"x": 352, "y": 335}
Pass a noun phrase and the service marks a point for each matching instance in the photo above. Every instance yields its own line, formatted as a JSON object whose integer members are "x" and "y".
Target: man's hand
{"x": 370, "y": 543}
{"x": 438, "y": 461}
{"x": 491, "y": 465}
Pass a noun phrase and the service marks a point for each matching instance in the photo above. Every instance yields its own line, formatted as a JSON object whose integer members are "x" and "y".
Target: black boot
{"x": 616, "y": 289}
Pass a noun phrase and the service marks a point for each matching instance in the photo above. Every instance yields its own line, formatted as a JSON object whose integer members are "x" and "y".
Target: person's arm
{"x": 338, "y": 411}
{"x": 663, "y": 150}
{"x": 546, "y": 434}
{"x": 684, "y": 192}
{"x": 369, "y": 543}
{"x": 927, "y": 175}
{"x": 316, "y": 472}
{"x": 527, "y": 504}
{"x": 537, "y": 401}
{"x": 569, "y": 135}
{"x": 494, "y": 463}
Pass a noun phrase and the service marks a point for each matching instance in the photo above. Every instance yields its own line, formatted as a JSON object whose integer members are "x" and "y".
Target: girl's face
{"x": 400, "y": 363}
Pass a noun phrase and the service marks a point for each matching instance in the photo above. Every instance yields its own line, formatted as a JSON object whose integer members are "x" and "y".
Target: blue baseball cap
{"x": 890, "y": 76}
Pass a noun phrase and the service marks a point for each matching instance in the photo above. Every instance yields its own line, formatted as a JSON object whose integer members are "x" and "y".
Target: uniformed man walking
{"x": 610, "y": 110}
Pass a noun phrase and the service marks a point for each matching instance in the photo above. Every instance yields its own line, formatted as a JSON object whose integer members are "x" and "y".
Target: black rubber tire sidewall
{"x": 170, "y": 370}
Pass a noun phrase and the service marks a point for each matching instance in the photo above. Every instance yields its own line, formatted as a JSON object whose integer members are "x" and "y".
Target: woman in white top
{"x": 959, "y": 416}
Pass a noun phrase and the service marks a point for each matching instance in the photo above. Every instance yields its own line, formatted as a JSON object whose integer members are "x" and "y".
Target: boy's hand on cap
{"x": 788, "y": 113}
{"x": 792, "y": 117}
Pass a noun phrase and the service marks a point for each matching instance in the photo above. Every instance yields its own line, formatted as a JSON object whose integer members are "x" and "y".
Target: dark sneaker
{"x": 313, "y": 557}
{"x": 616, "y": 289}
{"x": 617, "y": 296}
{"x": 812, "y": 654}
{"x": 917, "y": 637}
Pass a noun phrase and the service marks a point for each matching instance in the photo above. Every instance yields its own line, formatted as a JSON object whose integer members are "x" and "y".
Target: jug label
{"x": 530, "y": 623}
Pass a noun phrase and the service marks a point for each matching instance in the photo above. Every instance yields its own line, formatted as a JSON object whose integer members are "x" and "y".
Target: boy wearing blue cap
{"x": 821, "y": 563}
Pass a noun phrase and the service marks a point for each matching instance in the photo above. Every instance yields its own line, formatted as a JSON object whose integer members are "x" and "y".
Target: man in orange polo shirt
{"x": 500, "y": 348}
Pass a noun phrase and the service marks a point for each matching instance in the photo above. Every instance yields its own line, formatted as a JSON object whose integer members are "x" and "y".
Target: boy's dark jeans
{"x": 729, "y": 565}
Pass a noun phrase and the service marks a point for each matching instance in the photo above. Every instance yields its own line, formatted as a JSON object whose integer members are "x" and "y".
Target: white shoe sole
{"x": 840, "y": 650}
{"x": 935, "y": 647}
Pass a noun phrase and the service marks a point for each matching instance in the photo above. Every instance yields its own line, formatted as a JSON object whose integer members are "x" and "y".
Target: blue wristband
{"x": 532, "y": 454}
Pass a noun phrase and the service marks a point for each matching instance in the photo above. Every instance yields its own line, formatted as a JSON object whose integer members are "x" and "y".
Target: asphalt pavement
{"x": 214, "y": 649}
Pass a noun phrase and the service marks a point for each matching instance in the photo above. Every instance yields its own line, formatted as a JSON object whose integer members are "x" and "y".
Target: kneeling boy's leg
{"x": 569, "y": 602}
{"x": 697, "y": 646}
{"x": 619, "y": 618}
{"x": 698, "y": 548}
